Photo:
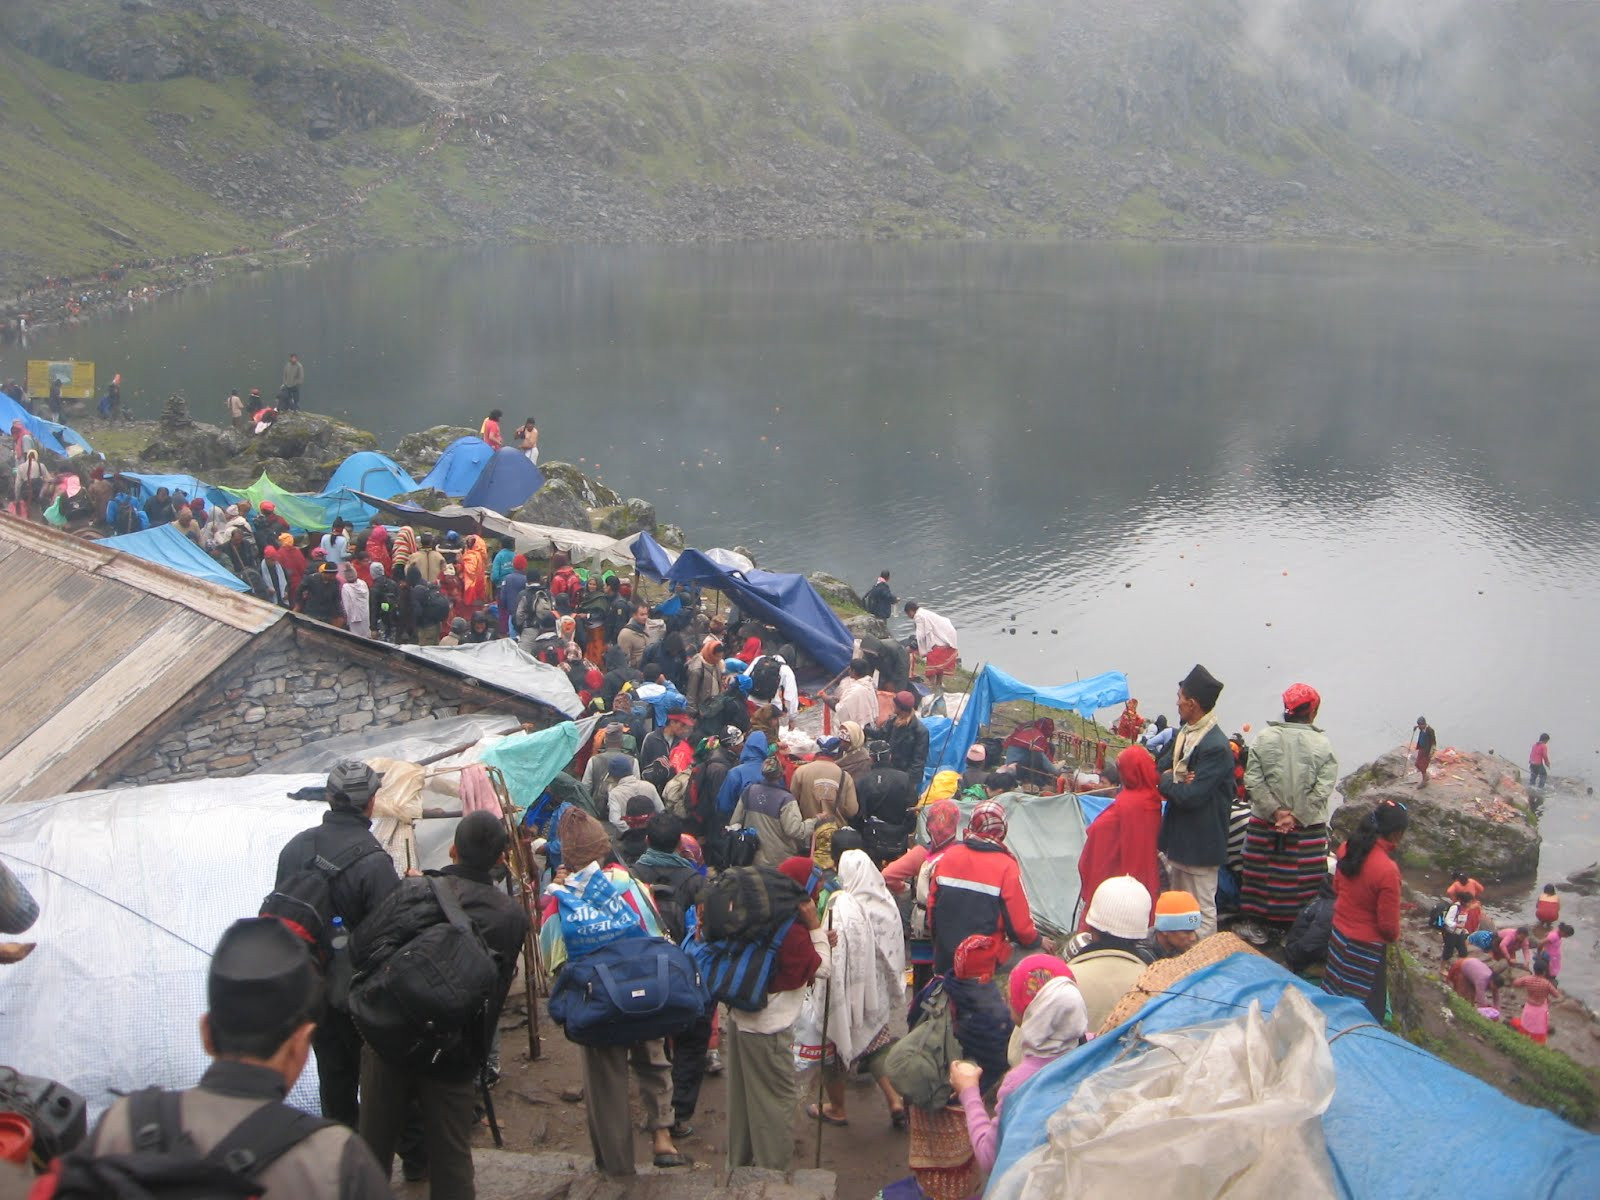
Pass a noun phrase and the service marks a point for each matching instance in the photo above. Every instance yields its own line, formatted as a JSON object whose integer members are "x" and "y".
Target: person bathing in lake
{"x": 528, "y": 440}
{"x": 489, "y": 431}
{"x": 1539, "y": 764}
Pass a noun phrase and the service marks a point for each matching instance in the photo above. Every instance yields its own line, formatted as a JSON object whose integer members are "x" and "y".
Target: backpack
{"x": 531, "y": 605}
{"x": 765, "y": 678}
{"x": 1437, "y": 915}
{"x": 739, "y": 973}
{"x": 919, "y": 1064}
{"x": 425, "y": 1001}
{"x": 164, "y": 1163}
{"x": 304, "y": 901}
{"x": 675, "y": 796}
{"x": 630, "y": 991}
{"x": 432, "y": 605}
{"x": 921, "y": 927}
{"x": 744, "y": 903}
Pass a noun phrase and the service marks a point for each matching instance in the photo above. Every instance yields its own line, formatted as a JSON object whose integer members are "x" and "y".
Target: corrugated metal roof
{"x": 106, "y": 643}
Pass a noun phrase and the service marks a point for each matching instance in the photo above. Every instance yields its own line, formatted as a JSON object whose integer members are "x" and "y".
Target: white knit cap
{"x": 1121, "y": 907}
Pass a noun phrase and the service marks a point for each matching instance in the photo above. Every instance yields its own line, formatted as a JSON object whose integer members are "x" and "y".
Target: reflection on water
{"x": 1374, "y": 473}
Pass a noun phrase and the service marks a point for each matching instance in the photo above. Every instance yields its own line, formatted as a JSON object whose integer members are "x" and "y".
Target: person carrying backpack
{"x": 262, "y": 999}
{"x": 434, "y": 965}
{"x": 770, "y": 809}
{"x": 335, "y": 871}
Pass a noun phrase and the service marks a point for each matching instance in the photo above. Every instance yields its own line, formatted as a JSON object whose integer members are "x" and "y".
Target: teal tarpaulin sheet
{"x": 1402, "y": 1122}
{"x": 1045, "y": 834}
{"x": 166, "y": 547}
{"x": 529, "y": 761}
{"x": 993, "y": 686}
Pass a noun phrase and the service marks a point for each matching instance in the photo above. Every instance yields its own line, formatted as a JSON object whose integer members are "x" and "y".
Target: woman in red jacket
{"x": 1366, "y": 909}
{"x": 1122, "y": 839}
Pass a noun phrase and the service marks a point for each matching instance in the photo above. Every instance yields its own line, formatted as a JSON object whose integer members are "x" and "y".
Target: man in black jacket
{"x": 447, "y": 1092}
{"x": 879, "y": 600}
{"x": 907, "y": 737}
{"x": 362, "y": 875}
{"x": 1198, "y": 785}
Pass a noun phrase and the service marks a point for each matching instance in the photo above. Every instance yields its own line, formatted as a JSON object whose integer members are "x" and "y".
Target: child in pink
{"x": 1535, "y": 1018}
{"x": 1552, "y": 948}
{"x": 1055, "y": 1022}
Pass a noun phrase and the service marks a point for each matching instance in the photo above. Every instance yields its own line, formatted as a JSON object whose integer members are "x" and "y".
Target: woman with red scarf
{"x": 1122, "y": 839}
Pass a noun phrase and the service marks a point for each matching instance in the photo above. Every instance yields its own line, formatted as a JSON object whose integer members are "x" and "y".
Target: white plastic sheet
{"x": 1232, "y": 1108}
{"x": 135, "y": 886}
{"x": 505, "y": 664}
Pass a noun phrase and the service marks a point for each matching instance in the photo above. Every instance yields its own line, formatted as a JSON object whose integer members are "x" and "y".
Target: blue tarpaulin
{"x": 370, "y": 472}
{"x": 1402, "y": 1122}
{"x": 458, "y": 467}
{"x": 506, "y": 482}
{"x": 166, "y": 547}
{"x": 651, "y": 558}
{"x": 191, "y": 487}
{"x": 787, "y": 602}
{"x": 993, "y": 686}
{"x": 48, "y": 434}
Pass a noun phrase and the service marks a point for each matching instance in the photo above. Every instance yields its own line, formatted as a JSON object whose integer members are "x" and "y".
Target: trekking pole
{"x": 822, "y": 1055}
{"x": 488, "y": 1108}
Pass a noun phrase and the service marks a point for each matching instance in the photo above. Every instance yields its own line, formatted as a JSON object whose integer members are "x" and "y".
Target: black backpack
{"x": 765, "y": 678}
{"x": 745, "y": 903}
{"x": 305, "y": 900}
{"x": 1437, "y": 915}
{"x": 164, "y": 1163}
{"x": 421, "y": 996}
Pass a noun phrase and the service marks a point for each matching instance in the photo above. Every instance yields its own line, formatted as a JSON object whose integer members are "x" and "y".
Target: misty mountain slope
{"x": 200, "y": 124}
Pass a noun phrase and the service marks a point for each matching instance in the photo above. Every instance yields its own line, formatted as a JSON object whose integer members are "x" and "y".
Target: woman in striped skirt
{"x": 1366, "y": 909}
{"x": 1289, "y": 778}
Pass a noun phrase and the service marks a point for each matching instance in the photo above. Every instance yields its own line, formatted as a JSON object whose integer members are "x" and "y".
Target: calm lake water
{"x": 1373, "y": 472}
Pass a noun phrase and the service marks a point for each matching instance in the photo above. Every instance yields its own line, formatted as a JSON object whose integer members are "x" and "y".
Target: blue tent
{"x": 370, "y": 472}
{"x": 787, "y": 602}
{"x": 48, "y": 434}
{"x": 1402, "y": 1122}
{"x": 652, "y": 561}
{"x": 192, "y": 487}
{"x": 166, "y": 547}
{"x": 993, "y": 686}
{"x": 505, "y": 483}
{"x": 458, "y": 467}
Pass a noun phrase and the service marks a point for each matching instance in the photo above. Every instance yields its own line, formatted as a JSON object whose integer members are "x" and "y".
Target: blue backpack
{"x": 739, "y": 973}
{"x": 634, "y": 990}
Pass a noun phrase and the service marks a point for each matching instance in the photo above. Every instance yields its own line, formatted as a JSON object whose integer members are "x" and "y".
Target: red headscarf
{"x": 1301, "y": 695}
{"x": 988, "y": 823}
{"x": 943, "y": 823}
{"x": 977, "y": 957}
{"x": 798, "y": 869}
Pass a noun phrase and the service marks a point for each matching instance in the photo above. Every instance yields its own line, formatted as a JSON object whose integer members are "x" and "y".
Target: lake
{"x": 1371, "y": 471}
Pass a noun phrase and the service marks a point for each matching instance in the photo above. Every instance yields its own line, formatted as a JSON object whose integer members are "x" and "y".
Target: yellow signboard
{"x": 77, "y": 378}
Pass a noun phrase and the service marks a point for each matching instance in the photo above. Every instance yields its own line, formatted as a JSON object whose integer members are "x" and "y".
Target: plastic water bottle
{"x": 339, "y": 938}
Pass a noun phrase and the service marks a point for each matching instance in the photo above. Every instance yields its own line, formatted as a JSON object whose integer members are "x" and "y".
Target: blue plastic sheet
{"x": 787, "y": 602}
{"x": 651, "y": 559}
{"x": 1402, "y": 1122}
{"x": 458, "y": 467}
{"x": 505, "y": 483}
{"x": 529, "y": 761}
{"x": 993, "y": 686}
{"x": 189, "y": 484}
{"x": 166, "y": 547}
{"x": 48, "y": 434}
{"x": 370, "y": 472}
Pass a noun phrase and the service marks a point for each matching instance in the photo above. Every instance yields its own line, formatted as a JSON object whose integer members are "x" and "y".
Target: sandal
{"x": 674, "y": 1159}
{"x": 681, "y": 1130}
{"x": 818, "y": 1114}
{"x": 898, "y": 1118}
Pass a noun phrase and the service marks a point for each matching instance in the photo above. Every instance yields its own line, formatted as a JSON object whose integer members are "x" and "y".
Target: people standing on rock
{"x": 234, "y": 406}
{"x": 880, "y": 599}
{"x": 1426, "y": 739}
{"x": 527, "y": 436}
{"x": 1198, "y": 785}
{"x": 294, "y": 378}
{"x": 1366, "y": 909}
{"x": 489, "y": 431}
{"x": 934, "y": 638}
{"x": 1289, "y": 777}
{"x": 1539, "y": 764}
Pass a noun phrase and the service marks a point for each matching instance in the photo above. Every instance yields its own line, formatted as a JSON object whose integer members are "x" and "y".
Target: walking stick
{"x": 488, "y": 1109}
{"x": 822, "y": 1055}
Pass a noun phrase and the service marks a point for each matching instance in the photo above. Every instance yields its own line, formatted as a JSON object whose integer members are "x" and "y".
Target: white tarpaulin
{"x": 505, "y": 664}
{"x": 135, "y": 886}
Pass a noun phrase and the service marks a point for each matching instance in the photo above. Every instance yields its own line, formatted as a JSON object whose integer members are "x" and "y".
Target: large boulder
{"x": 1473, "y": 815}
{"x": 418, "y": 452}
{"x": 867, "y": 625}
{"x": 620, "y": 520}
{"x": 555, "y": 504}
{"x": 308, "y": 448}
{"x": 834, "y": 590}
{"x": 193, "y": 448}
{"x": 591, "y": 492}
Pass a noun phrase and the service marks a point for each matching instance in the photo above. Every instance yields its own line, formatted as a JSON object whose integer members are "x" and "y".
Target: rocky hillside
{"x": 142, "y": 129}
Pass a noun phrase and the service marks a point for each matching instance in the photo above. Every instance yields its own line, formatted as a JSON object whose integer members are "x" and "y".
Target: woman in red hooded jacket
{"x": 1122, "y": 839}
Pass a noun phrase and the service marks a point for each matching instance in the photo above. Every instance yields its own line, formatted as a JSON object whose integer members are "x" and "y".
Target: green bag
{"x": 919, "y": 1063}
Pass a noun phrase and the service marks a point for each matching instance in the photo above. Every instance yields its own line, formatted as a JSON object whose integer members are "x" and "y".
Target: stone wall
{"x": 295, "y": 684}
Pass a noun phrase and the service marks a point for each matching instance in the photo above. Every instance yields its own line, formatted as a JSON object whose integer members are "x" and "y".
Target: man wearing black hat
{"x": 447, "y": 1093}
{"x": 360, "y": 876}
{"x": 1198, "y": 785}
{"x": 262, "y": 995}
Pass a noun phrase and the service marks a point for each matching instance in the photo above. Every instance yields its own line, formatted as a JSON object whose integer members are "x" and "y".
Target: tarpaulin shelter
{"x": 651, "y": 558}
{"x": 370, "y": 472}
{"x": 1046, "y": 834}
{"x": 506, "y": 482}
{"x": 1401, "y": 1123}
{"x": 191, "y": 486}
{"x": 787, "y": 602}
{"x": 505, "y": 664}
{"x": 48, "y": 434}
{"x": 582, "y": 544}
{"x": 458, "y": 467}
{"x": 303, "y": 512}
{"x": 166, "y": 547}
{"x": 993, "y": 686}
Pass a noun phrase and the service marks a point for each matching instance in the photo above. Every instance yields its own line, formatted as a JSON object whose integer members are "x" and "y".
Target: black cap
{"x": 846, "y": 839}
{"x": 1201, "y": 686}
{"x": 261, "y": 978}
{"x": 480, "y": 840}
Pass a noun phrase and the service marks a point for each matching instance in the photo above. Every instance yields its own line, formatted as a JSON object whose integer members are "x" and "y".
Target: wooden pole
{"x": 822, "y": 1054}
